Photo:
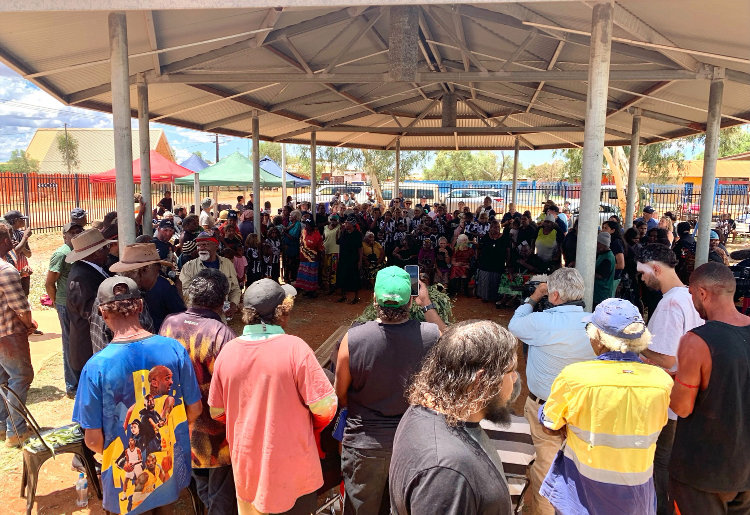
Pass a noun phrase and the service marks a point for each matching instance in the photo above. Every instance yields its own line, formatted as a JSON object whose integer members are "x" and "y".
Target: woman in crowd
{"x": 547, "y": 246}
{"x": 426, "y": 260}
{"x": 290, "y": 240}
{"x": 350, "y": 257}
{"x": 492, "y": 255}
{"x": 666, "y": 223}
{"x": 462, "y": 256}
{"x": 443, "y": 257}
{"x": 331, "y": 259}
{"x": 246, "y": 225}
{"x": 373, "y": 257}
{"x": 569, "y": 245}
{"x": 311, "y": 247}
{"x": 274, "y": 243}
{"x": 617, "y": 246}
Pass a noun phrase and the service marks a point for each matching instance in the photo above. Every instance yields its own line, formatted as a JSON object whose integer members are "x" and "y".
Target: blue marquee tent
{"x": 194, "y": 163}
{"x": 269, "y": 165}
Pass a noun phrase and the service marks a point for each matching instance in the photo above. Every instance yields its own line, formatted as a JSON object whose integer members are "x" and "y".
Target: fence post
{"x": 26, "y": 195}
{"x": 77, "y": 193}
{"x": 91, "y": 198}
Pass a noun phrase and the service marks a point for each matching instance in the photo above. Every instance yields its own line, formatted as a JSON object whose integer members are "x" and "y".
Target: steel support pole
{"x": 593, "y": 145}
{"x": 632, "y": 192}
{"x": 710, "y": 154}
{"x": 145, "y": 147}
{"x": 123, "y": 139}
{"x": 397, "y": 174}
{"x": 197, "y": 193}
{"x": 283, "y": 174}
{"x": 514, "y": 193}
{"x": 256, "y": 173}
{"x": 313, "y": 175}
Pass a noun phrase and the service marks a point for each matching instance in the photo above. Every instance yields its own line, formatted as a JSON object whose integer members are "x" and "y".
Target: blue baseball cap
{"x": 714, "y": 235}
{"x": 612, "y": 316}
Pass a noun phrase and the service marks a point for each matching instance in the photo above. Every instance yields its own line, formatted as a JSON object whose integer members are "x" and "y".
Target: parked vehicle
{"x": 605, "y": 211}
{"x": 327, "y": 192}
{"x": 474, "y": 197}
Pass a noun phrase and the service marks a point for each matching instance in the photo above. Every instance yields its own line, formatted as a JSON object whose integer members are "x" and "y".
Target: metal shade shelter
{"x": 437, "y": 75}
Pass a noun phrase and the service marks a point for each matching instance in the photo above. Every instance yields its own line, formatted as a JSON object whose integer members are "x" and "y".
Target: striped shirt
{"x": 614, "y": 408}
{"x": 12, "y": 299}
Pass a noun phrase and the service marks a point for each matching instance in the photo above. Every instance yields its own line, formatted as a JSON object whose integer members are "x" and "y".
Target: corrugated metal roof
{"x": 231, "y": 69}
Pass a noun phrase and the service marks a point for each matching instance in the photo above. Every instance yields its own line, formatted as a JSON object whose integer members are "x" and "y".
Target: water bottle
{"x": 82, "y": 491}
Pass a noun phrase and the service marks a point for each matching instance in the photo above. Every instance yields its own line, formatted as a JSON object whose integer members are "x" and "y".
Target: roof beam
{"x": 550, "y": 65}
{"x": 416, "y": 120}
{"x": 446, "y": 131}
{"x": 422, "y": 77}
{"x": 520, "y": 49}
{"x": 321, "y": 22}
{"x": 348, "y": 45}
{"x": 269, "y": 21}
{"x": 152, "y": 40}
{"x": 464, "y": 50}
{"x": 486, "y": 120}
{"x": 632, "y": 101}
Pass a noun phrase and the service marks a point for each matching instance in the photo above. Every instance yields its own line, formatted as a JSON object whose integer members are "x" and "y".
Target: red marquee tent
{"x": 162, "y": 170}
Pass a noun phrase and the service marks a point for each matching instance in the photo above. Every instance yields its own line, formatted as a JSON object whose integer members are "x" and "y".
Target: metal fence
{"x": 48, "y": 199}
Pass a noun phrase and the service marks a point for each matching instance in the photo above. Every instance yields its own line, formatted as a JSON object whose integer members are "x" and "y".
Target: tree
{"x": 732, "y": 140}
{"x": 662, "y": 160}
{"x": 466, "y": 165}
{"x": 546, "y": 172}
{"x": 572, "y": 164}
{"x": 68, "y": 147}
{"x": 272, "y": 150}
{"x": 382, "y": 163}
{"x": 331, "y": 158}
{"x": 21, "y": 162}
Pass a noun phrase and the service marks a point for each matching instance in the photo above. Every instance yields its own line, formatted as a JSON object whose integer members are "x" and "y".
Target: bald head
{"x": 714, "y": 277}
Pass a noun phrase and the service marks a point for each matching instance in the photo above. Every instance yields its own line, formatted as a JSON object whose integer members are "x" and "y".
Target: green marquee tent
{"x": 233, "y": 170}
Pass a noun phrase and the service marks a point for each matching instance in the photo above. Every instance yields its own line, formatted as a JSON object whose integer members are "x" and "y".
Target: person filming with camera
{"x": 556, "y": 338}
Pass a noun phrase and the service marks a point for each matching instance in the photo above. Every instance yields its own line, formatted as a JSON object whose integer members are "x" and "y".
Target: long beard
{"x": 499, "y": 412}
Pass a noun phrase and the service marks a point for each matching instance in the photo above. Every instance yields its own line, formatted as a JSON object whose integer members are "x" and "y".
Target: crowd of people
{"x": 637, "y": 407}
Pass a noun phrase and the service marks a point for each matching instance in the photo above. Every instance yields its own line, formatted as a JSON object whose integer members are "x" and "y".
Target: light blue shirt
{"x": 556, "y": 338}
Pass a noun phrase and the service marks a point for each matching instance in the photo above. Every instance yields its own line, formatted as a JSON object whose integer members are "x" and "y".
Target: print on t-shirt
{"x": 145, "y": 456}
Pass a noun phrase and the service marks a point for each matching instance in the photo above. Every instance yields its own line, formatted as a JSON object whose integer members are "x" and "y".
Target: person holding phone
{"x": 373, "y": 364}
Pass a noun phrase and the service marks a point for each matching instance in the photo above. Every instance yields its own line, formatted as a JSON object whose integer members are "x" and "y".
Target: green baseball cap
{"x": 392, "y": 287}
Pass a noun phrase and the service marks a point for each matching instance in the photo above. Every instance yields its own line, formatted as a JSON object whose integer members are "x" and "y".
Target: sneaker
{"x": 18, "y": 441}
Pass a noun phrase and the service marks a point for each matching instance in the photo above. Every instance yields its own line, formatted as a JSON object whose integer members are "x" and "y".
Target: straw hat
{"x": 86, "y": 244}
{"x": 137, "y": 256}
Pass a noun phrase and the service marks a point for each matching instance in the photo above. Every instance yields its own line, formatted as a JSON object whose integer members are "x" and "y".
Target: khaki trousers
{"x": 546, "y": 447}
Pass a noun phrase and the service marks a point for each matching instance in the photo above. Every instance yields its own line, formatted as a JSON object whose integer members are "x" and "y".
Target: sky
{"x": 25, "y": 108}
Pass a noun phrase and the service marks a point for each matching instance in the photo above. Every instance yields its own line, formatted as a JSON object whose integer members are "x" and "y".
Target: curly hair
{"x": 449, "y": 380}
{"x": 208, "y": 289}
{"x": 623, "y": 345}
{"x": 124, "y": 308}
{"x": 250, "y": 316}
{"x": 391, "y": 314}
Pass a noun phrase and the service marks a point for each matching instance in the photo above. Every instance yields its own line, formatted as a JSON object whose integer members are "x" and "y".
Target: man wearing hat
{"x": 140, "y": 387}
{"x": 19, "y": 254}
{"x": 163, "y": 239}
{"x": 89, "y": 255}
{"x": 15, "y": 327}
{"x": 208, "y": 257}
{"x": 206, "y": 219}
{"x": 275, "y": 399}
{"x": 604, "y": 274}
{"x": 649, "y": 216}
{"x": 716, "y": 251}
{"x": 374, "y": 363}
{"x": 56, "y": 286}
{"x": 612, "y": 409}
{"x": 78, "y": 216}
{"x": 141, "y": 262}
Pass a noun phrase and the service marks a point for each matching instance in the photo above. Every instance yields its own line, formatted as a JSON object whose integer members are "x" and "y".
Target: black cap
{"x": 648, "y": 209}
{"x": 166, "y": 223}
{"x": 68, "y": 226}
{"x": 77, "y": 213}
{"x": 232, "y": 215}
{"x": 14, "y": 215}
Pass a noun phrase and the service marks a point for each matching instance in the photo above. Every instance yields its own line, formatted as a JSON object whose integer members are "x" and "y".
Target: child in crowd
{"x": 461, "y": 263}
{"x": 268, "y": 268}
{"x": 426, "y": 259}
{"x": 443, "y": 257}
{"x": 401, "y": 253}
{"x": 254, "y": 261}
{"x": 240, "y": 263}
{"x": 274, "y": 240}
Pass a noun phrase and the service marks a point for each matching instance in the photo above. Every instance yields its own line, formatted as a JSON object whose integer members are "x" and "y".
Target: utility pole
{"x": 216, "y": 139}
{"x": 67, "y": 147}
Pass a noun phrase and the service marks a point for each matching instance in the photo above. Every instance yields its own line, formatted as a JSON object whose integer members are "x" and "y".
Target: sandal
{"x": 354, "y": 300}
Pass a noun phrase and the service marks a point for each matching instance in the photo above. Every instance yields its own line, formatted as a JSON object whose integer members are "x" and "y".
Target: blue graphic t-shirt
{"x": 136, "y": 392}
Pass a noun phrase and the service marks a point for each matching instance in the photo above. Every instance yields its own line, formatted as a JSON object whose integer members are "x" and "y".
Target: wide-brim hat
{"x": 138, "y": 255}
{"x": 86, "y": 244}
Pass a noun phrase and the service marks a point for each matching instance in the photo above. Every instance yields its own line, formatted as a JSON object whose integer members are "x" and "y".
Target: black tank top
{"x": 712, "y": 446}
{"x": 382, "y": 359}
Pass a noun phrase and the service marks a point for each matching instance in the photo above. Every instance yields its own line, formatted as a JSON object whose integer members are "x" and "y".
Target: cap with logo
{"x": 613, "y": 316}
{"x": 117, "y": 288}
{"x": 392, "y": 287}
{"x": 648, "y": 209}
{"x": 77, "y": 213}
{"x": 166, "y": 223}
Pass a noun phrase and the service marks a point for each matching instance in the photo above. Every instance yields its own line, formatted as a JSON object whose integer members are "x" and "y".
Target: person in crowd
{"x": 240, "y": 263}
{"x": 674, "y": 316}
{"x": 230, "y": 231}
{"x": 569, "y": 245}
{"x": 331, "y": 258}
{"x": 274, "y": 241}
{"x": 290, "y": 240}
{"x": 528, "y": 230}
{"x": 190, "y": 230}
{"x": 166, "y": 201}
{"x": 56, "y": 285}
{"x": 311, "y": 248}
{"x": 373, "y": 365}
{"x": 240, "y": 205}
{"x": 510, "y": 215}
{"x": 88, "y": 257}
{"x": 443, "y": 258}
{"x": 423, "y": 204}
{"x": 189, "y": 252}
{"x": 249, "y": 203}
{"x": 642, "y": 227}
{"x": 443, "y": 461}
{"x": 274, "y": 398}
{"x": 657, "y": 235}
{"x": 616, "y": 245}
{"x": 556, "y": 338}
{"x": 408, "y": 212}
{"x": 684, "y": 250}
{"x": 492, "y": 254}
{"x": 206, "y": 220}
{"x": 208, "y": 257}
{"x": 246, "y": 226}
{"x": 561, "y": 221}
{"x": 611, "y": 410}
{"x": 15, "y": 357}
{"x": 727, "y": 227}
{"x": 179, "y": 215}
{"x": 203, "y": 334}
{"x": 78, "y": 216}
{"x": 145, "y": 378}
{"x": 716, "y": 251}
{"x": 547, "y": 245}
{"x": 20, "y": 253}
{"x": 463, "y": 254}
{"x": 373, "y": 258}
{"x": 649, "y": 216}
{"x": 254, "y": 257}
{"x": 321, "y": 218}
{"x": 604, "y": 274}
{"x": 666, "y": 223}
{"x": 629, "y": 282}
{"x": 709, "y": 471}
{"x": 163, "y": 240}
{"x": 486, "y": 208}
{"x": 350, "y": 257}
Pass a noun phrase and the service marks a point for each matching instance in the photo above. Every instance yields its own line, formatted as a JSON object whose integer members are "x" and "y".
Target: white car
{"x": 605, "y": 211}
{"x": 327, "y": 192}
{"x": 474, "y": 198}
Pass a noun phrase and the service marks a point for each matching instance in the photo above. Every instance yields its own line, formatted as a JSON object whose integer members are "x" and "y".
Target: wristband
{"x": 428, "y": 307}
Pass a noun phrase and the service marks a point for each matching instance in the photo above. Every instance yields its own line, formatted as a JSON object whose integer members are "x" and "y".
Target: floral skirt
{"x": 307, "y": 276}
{"x": 330, "y": 265}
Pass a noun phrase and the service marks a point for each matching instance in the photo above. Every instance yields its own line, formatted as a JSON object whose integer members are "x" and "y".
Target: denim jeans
{"x": 71, "y": 381}
{"x": 365, "y": 474}
{"x": 216, "y": 489}
{"x": 16, "y": 370}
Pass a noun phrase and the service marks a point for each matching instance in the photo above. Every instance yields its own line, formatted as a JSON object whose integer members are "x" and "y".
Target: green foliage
{"x": 546, "y": 172}
{"x": 21, "y": 162}
{"x": 572, "y": 163}
{"x": 732, "y": 140}
{"x": 443, "y": 306}
{"x": 466, "y": 165}
{"x": 68, "y": 147}
{"x": 272, "y": 150}
{"x": 662, "y": 159}
{"x": 382, "y": 163}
